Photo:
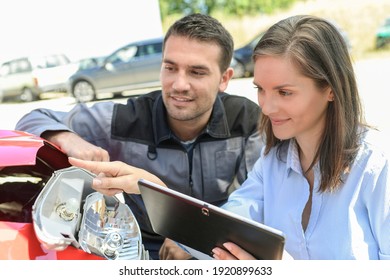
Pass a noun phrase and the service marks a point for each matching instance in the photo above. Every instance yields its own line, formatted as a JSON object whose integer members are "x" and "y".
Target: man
{"x": 197, "y": 139}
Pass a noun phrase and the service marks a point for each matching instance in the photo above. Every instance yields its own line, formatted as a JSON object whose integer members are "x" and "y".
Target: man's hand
{"x": 171, "y": 251}
{"x": 75, "y": 146}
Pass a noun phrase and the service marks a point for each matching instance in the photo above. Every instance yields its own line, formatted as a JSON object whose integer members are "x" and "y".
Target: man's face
{"x": 191, "y": 79}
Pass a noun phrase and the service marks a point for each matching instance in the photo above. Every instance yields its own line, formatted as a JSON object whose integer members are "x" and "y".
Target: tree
{"x": 229, "y": 7}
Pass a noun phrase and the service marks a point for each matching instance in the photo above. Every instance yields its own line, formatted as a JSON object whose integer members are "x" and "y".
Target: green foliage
{"x": 228, "y": 7}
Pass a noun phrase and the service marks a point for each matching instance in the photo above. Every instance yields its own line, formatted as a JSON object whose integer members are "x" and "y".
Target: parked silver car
{"x": 134, "y": 66}
{"x": 26, "y": 78}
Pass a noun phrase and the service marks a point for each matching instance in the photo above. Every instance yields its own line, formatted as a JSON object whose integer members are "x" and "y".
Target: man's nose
{"x": 181, "y": 82}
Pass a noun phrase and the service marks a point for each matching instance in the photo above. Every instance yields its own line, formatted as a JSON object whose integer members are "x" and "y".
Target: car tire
{"x": 27, "y": 95}
{"x": 83, "y": 91}
{"x": 117, "y": 94}
{"x": 239, "y": 70}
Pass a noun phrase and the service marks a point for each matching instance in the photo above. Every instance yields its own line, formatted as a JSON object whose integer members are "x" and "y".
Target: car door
{"x": 15, "y": 75}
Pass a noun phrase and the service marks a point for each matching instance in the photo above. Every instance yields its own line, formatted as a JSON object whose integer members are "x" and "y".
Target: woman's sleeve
{"x": 247, "y": 200}
{"x": 378, "y": 207}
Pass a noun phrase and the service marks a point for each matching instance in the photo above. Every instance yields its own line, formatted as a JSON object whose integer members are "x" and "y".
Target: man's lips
{"x": 181, "y": 99}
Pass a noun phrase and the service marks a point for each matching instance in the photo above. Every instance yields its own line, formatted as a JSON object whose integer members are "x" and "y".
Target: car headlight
{"x": 107, "y": 227}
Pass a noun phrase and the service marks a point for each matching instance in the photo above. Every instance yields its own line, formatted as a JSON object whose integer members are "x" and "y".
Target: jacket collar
{"x": 217, "y": 127}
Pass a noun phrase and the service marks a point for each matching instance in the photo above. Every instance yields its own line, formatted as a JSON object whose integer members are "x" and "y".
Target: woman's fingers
{"x": 232, "y": 252}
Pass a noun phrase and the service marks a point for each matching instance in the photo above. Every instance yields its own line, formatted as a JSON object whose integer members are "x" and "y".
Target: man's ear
{"x": 226, "y": 77}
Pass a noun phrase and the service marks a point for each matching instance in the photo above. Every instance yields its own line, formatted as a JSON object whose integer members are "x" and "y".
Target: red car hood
{"x": 18, "y": 242}
{"x": 21, "y": 152}
{"x": 19, "y": 148}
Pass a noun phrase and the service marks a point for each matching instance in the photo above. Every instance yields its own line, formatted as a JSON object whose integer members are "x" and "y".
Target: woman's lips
{"x": 278, "y": 122}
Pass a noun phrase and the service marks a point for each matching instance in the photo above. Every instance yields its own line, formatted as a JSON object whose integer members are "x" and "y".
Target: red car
{"x": 35, "y": 177}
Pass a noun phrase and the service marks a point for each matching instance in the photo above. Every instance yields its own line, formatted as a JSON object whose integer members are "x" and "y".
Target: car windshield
{"x": 124, "y": 55}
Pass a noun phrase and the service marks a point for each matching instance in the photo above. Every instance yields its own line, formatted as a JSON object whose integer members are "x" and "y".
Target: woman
{"x": 320, "y": 179}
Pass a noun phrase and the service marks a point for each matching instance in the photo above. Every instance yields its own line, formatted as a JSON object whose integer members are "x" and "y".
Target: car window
{"x": 49, "y": 61}
{"x": 5, "y": 69}
{"x": 52, "y": 61}
{"x": 149, "y": 49}
{"x": 19, "y": 66}
{"x": 123, "y": 55}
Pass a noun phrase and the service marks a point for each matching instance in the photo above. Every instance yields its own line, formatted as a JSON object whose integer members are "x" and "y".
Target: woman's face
{"x": 292, "y": 102}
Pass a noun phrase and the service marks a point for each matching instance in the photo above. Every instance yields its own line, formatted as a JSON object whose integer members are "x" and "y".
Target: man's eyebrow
{"x": 165, "y": 60}
{"x": 200, "y": 67}
{"x": 196, "y": 66}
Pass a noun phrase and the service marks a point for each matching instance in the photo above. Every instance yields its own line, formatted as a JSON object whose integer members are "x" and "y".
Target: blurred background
{"x": 75, "y": 28}
{"x": 360, "y": 19}
{"x": 92, "y": 30}
{"x": 88, "y": 28}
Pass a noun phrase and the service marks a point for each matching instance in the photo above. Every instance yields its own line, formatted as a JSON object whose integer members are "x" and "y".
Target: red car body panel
{"x": 23, "y": 154}
{"x": 18, "y": 242}
{"x": 18, "y": 148}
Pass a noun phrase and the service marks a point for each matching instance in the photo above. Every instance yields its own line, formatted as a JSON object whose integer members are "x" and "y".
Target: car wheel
{"x": 84, "y": 91}
{"x": 117, "y": 94}
{"x": 239, "y": 70}
{"x": 27, "y": 95}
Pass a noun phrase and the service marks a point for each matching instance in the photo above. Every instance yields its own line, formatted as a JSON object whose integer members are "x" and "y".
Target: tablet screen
{"x": 202, "y": 226}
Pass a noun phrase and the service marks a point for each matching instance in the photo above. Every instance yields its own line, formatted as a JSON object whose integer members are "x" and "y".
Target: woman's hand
{"x": 115, "y": 176}
{"x": 232, "y": 252}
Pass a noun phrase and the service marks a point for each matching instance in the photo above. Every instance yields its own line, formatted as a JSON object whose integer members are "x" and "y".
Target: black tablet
{"x": 202, "y": 226}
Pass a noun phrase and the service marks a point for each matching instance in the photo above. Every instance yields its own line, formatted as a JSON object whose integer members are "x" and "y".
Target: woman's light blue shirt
{"x": 352, "y": 222}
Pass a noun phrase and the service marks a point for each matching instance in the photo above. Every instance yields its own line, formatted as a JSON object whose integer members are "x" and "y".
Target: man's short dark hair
{"x": 207, "y": 29}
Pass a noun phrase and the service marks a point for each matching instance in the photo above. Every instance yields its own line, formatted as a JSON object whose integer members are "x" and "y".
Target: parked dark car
{"x": 242, "y": 58}
{"x": 242, "y": 62}
{"x": 49, "y": 211}
{"x": 383, "y": 34}
{"x": 134, "y": 66}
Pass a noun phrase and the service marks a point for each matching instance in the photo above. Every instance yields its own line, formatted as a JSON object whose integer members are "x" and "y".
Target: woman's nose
{"x": 267, "y": 103}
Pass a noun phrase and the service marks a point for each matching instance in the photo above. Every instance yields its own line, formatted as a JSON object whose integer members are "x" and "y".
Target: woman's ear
{"x": 330, "y": 95}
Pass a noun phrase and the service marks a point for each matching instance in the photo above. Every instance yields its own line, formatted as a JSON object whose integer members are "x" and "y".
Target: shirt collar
{"x": 292, "y": 161}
